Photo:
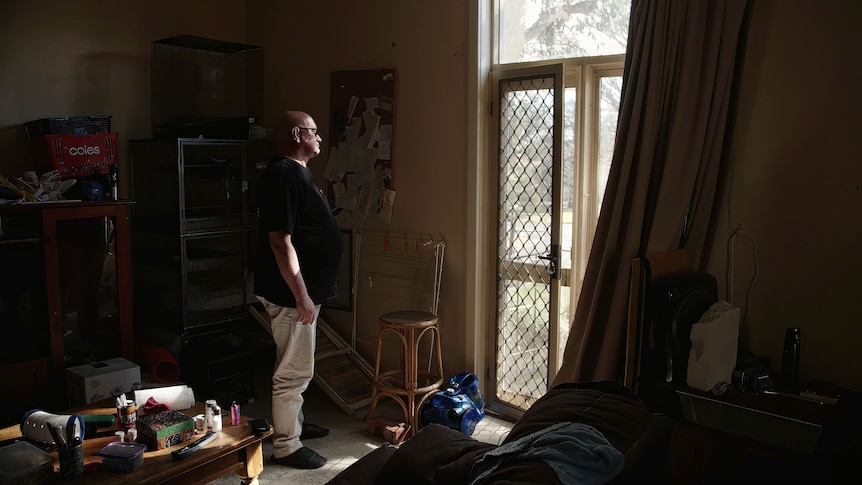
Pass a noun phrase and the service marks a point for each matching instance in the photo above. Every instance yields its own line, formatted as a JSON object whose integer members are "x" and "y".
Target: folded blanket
{"x": 578, "y": 453}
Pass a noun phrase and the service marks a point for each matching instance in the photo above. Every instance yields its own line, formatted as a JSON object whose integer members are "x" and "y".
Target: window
{"x": 535, "y": 30}
{"x": 588, "y": 37}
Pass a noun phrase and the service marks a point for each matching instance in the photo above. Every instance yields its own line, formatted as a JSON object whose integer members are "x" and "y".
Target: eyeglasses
{"x": 312, "y": 130}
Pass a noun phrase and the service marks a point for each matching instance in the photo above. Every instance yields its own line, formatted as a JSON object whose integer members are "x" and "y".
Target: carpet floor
{"x": 348, "y": 438}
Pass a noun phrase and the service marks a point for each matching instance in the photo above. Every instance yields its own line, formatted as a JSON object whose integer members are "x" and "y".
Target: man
{"x": 299, "y": 256}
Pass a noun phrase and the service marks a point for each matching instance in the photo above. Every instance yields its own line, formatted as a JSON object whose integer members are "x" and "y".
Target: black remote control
{"x": 194, "y": 446}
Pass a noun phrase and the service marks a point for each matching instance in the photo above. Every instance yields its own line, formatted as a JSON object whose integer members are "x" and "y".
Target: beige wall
{"x": 796, "y": 178}
{"x": 797, "y": 186}
{"x": 79, "y": 58}
{"x": 426, "y": 42}
{"x": 75, "y": 58}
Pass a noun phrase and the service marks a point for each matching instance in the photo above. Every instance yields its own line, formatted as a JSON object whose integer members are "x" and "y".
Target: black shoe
{"x": 311, "y": 431}
{"x": 304, "y": 458}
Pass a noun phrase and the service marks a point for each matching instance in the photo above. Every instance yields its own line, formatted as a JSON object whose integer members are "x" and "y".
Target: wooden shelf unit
{"x": 41, "y": 227}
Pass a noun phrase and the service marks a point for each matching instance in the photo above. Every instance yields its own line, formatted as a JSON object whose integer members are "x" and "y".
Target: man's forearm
{"x": 288, "y": 264}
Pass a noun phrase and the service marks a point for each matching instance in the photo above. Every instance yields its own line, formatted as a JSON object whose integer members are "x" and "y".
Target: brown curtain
{"x": 662, "y": 184}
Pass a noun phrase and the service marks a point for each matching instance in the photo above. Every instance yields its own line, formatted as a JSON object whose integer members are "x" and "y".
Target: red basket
{"x": 75, "y": 155}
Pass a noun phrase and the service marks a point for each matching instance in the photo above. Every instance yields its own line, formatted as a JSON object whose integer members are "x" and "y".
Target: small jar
{"x": 200, "y": 423}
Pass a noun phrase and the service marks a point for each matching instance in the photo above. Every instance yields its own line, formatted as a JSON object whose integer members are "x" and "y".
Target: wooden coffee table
{"x": 235, "y": 450}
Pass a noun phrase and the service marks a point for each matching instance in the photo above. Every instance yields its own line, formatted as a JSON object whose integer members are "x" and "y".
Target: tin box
{"x": 165, "y": 429}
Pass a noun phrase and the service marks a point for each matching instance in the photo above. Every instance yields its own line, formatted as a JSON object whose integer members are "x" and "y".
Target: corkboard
{"x": 362, "y": 102}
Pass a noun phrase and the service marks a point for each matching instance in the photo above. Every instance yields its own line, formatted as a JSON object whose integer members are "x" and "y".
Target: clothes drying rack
{"x": 389, "y": 262}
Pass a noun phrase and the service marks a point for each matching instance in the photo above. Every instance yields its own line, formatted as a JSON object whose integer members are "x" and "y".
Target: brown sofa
{"x": 441, "y": 455}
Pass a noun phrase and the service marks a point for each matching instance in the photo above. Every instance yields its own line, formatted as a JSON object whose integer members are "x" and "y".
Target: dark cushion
{"x": 439, "y": 454}
{"x": 522, "y": 473}
{"x": 436, "y": 454}
{"x": 365, "y": 470}
{"x": 613, "y": 410}
{"x": 607, "y": 406}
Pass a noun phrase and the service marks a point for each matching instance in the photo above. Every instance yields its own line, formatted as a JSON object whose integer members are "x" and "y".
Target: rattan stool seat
{"x": 408, "y": 382}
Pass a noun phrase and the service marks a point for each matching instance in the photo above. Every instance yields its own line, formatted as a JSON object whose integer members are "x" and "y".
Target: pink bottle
{"x": 234, "y": 414}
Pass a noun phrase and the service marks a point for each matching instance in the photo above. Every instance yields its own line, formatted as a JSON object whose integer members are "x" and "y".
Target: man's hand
{"x": 306, "y": 311}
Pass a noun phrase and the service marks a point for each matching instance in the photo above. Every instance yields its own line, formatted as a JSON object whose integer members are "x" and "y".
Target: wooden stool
{"x": 408, "y": 382}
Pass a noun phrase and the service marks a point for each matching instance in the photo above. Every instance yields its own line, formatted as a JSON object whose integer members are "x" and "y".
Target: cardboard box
{"x": 100, "y": 380}
{"x": 387, "y": 429}
{"x": 165, "y": 429}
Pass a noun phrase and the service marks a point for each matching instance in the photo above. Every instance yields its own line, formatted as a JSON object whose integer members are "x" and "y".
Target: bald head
{"x": 289, "y": 119}
{"x": 296, "y": 137}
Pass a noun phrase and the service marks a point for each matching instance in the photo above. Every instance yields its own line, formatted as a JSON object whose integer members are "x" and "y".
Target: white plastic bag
{"x": 714, "y": 344}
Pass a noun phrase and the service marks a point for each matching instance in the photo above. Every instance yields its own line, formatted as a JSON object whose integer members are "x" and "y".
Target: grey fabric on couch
{"x": 441, "y": 455}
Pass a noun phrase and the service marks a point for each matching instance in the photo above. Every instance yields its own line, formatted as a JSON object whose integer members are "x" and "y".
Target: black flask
{"x": 790, "y": 359}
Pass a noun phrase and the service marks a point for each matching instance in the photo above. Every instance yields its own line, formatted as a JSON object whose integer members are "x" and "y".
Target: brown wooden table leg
{"x": 253, "y": 464}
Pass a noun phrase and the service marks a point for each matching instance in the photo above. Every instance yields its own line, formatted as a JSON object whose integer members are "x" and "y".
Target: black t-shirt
{"x": 289, "y": 200}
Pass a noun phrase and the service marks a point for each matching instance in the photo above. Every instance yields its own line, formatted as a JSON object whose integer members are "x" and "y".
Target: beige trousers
{"x": 294, "y": 368}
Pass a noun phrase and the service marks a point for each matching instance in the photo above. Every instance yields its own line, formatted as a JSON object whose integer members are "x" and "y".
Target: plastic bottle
{"x": 217, "y": 421}
{"x": 208, "y": 413}
{"x": 113, "y": 181}
{"x": 234, "y": 414}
